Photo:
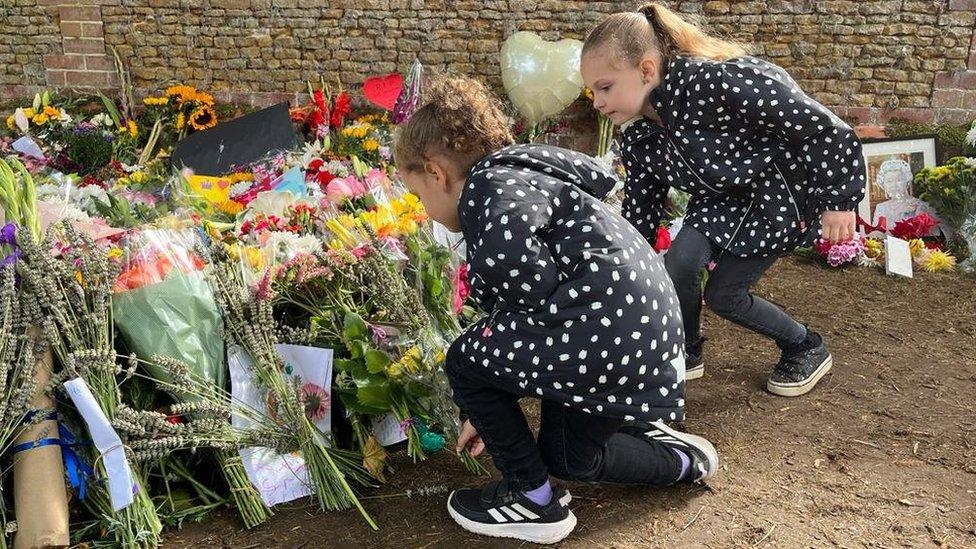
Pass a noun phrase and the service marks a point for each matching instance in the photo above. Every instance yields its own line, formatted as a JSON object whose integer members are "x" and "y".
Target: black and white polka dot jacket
{"x": 760, "y": 159}
{"x": 581, "y": 310}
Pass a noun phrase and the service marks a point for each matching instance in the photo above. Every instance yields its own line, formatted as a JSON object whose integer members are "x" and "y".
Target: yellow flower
{"x": 79, "y": 278}
{"x": 114, "y": 252}
{"x": 371, "y": 145}
{"x": 133, "y": 128}
{"x": 874, "y": 249}
{"x": 381, "y": 220}
{"x": 11, "y": 123}
{"x": 941, "y": 171}
{"x": 29, "y": 112}
{"x": 410, "y": 363}
{"x": 340, "y": 229}
{"x": 917, "y": 246}
{"x": 588, "y": 93}
{"x": 155, "y": 101}
{"x": 203, "y": 98}
{"x": 52, "y": 112}
{"x": 938, "y": 260}
{"x": 253, "y": 258}
{"x": 237, "y": 177}
{"x": 230, "y": 207}
{"x": 203, "y": 118}
{"x": 180, "y": 121}
{"x": 138, "y": 177}
{"x": 184, "y": 93}
{"x": 40, "y": 119}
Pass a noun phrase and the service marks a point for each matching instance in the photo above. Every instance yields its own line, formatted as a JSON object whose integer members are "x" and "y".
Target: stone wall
{"x": 868, "y": 59}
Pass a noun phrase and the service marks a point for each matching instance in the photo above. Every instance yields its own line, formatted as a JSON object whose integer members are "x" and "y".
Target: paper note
{"x": 388, "y": 430}
{"x": 121, "y": 488}
{"x": 898, "y": 257}
{"x": 282, "y": 477}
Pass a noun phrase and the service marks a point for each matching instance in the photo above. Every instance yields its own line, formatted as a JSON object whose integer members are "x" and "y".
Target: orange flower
{"x": 203, "y": 118}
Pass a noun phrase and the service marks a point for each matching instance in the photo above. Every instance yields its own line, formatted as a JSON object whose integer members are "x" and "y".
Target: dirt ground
{"x": 881, "y": 454}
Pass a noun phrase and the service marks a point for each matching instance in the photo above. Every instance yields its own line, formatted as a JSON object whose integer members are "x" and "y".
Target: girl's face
{"x": 439, "y": 189}
{"x": 620, "y": 91}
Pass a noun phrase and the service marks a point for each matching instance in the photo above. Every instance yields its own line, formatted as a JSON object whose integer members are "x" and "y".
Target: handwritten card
{"x": 388, "y": 430}
{"x": 282, "y": 477}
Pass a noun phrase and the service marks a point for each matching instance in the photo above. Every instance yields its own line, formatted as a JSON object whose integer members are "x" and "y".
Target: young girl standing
{"x": 581, "y": 315}
{"x": 764, "y": 165}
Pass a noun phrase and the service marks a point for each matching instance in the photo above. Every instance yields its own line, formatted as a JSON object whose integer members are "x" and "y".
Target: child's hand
{"x": 470, "y": 440}
{"x": 838, "y": 226}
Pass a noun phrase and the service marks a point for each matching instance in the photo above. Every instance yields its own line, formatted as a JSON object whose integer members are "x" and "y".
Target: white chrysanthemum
{"x": 282, "y": 246}
{"x": 971, "y": 136}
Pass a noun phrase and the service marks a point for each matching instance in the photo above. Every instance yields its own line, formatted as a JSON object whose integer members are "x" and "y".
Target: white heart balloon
{"x": 541, "y": 78}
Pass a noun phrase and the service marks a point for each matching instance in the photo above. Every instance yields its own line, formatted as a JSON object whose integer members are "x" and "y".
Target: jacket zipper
{"x": 737, "y": 229}
{"x": 692, "y": 170}
{"x": 491, "y": 320}
{"x": 796, "y": 208}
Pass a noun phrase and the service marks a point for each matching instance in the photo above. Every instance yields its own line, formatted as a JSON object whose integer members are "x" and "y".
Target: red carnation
{"x": 663, "y": 240}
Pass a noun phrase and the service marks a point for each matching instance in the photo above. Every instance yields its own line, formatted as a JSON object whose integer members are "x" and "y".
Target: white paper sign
{"x": 121, "y": 488}
{"x": 281, "y": 477}
{"x": 388, "y": 430}
{"x": 898, "y": 257}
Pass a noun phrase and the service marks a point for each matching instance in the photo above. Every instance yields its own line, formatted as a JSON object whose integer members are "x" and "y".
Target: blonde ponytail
{"x": 654, "y": 27}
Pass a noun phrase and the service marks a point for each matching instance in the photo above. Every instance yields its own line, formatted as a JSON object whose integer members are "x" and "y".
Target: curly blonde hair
{"x": 459, "y": 119}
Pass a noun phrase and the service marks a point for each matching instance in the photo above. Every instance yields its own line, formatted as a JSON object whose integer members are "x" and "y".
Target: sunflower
{"x": 203, "y": 98}
{"x": 203, "y": 118}
{"x": 184, "y": 93}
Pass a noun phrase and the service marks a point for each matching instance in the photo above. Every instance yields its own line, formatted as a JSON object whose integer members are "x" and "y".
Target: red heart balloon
{"x": 383, "y": 91}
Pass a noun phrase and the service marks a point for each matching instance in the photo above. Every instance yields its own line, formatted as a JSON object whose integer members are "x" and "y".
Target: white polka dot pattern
{"x": 760, "y": 159}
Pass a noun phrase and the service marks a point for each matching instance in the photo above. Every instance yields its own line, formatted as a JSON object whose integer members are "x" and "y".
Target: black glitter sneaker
{"x": 799, "y": 369}
{"x": 704, "y": 457}
{"x": 694, "y": 360}
{"x": 499, "y": 511}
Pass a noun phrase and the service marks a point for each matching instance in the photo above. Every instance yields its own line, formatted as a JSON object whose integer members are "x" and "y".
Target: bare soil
{"x": 881, "y": 454}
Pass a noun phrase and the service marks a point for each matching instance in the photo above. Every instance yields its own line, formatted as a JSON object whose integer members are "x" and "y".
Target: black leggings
{"x": 727, "y": 290}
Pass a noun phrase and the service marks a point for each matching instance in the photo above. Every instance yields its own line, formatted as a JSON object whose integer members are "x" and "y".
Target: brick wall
{"x": 869, "y": 59}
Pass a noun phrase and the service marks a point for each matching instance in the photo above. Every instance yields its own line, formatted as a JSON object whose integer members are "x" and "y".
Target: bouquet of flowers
{"x": 841, "y": 253}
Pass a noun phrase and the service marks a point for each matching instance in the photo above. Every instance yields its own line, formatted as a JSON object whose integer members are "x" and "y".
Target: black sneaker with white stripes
{"x": 500, "y": 511}
{"x": 704, "y": 457}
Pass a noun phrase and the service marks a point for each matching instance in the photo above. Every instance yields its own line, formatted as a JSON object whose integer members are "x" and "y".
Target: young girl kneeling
{"x": 581, "y": 315}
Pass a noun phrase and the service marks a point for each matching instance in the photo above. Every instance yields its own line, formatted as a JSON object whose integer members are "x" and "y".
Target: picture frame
{"x": 920, "y": 151}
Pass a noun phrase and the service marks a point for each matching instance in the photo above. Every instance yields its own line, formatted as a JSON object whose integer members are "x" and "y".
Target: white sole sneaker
{"x": 695, "y": 373}
{"x": 700, "y": 443}
{"x": 801, "y": 387}
{"x": 541, "y": 533}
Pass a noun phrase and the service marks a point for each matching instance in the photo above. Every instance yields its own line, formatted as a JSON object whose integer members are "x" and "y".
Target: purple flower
{"x": 8, "y": 235}
{"x": 10, "y": 259}
{"x": 409, "y": 98}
